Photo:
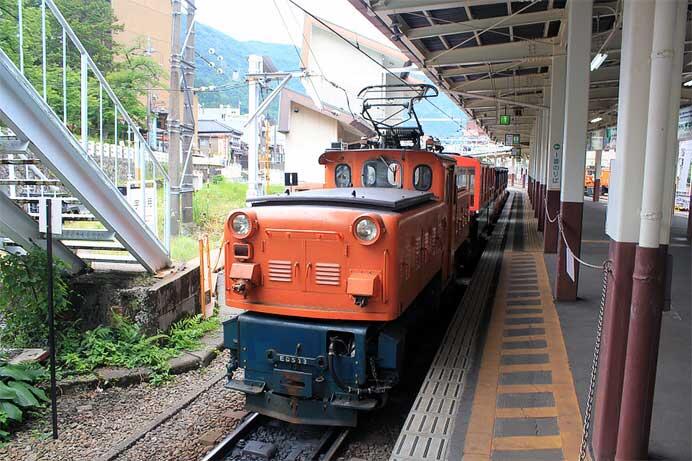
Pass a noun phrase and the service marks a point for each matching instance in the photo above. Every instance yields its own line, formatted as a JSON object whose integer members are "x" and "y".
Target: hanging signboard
{"x": 505, "y": 120}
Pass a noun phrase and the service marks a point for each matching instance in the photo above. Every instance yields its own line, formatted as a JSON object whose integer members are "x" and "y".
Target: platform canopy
{"x": 494, "y": 57}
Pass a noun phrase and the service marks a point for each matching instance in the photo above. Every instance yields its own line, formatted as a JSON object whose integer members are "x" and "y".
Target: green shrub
{"x": 18, "y": 394}
{"x": 23, "y": 298}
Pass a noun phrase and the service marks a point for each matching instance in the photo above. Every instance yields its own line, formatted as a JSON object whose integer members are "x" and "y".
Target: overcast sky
{"x": 260, "y": 20}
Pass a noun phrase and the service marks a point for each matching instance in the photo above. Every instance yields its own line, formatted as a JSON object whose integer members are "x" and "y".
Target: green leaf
{"x": 40, "y": 393}
{"x": 25, "y": 398}
{"x": 6, "y": 392}
{"x": 13, "y": 412}
{"x": 15, "y": 372}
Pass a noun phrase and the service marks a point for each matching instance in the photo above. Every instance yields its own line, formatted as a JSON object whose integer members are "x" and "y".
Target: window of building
{"x": 342, "y": 176}
{"x": 381, "y": 173}
{"x": 422, "y": 177}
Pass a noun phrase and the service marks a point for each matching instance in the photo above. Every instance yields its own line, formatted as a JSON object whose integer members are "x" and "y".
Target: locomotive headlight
{"x": 242, "y": 224}
{"x": 367, "y": 229}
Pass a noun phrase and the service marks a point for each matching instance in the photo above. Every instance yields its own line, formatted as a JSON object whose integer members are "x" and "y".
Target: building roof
{"x": 216, "y": 127}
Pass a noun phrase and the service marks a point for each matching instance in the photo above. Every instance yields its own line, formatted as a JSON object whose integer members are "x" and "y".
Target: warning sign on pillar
{"x": 570, "y": 263}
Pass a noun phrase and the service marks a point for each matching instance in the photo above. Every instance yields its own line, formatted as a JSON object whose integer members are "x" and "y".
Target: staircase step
{"x": 19, "y": 161}
{"x": 67, "y": 217}
{"x": 94, "y": 235}
{"x": 23, "y": 200}
{"x": 13, "y": 146}
{"x": 29, "y": 182}
{"x": 94, "y": 245}
{"x": 103, "y": 257}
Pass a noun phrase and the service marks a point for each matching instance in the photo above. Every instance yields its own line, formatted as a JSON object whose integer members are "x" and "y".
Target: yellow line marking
{"x": 540, "y": 412}
{"x": 527, "y": 367}
{"x": 527, "y": 443}
{"x": 524, "y": 388}
{"x": 540, "y": 350}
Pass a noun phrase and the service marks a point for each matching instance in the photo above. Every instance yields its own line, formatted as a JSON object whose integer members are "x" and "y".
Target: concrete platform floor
{"x": 671, "y": 432}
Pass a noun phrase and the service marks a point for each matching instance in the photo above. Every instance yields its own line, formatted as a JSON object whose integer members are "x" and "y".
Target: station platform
{"x": 515, "y": 388}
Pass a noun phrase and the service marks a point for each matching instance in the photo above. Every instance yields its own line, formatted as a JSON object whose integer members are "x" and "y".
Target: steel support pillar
{"x": 622, "y": 224}
{"x": 597, "y": 175}
{"x": 649, "y": 266}
{"x": 574, "y": 156}
{"x": 556, "y": 132}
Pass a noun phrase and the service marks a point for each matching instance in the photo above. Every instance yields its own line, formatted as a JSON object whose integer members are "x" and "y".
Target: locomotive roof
{"x": 390, "y": 199}
{"x": 450, "y": 156}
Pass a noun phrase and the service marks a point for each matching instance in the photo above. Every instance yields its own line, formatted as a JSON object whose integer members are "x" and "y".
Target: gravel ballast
{"x": 93, "y": 422}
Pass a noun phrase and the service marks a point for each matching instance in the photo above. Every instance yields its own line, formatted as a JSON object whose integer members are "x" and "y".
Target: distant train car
{"x": 334, "y": 280}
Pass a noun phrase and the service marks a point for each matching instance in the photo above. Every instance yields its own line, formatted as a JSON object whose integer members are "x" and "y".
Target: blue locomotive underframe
{"x": 290, "y": 373}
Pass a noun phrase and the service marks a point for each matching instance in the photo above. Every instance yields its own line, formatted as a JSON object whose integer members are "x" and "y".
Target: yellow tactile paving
{"x": 481, "y": 438}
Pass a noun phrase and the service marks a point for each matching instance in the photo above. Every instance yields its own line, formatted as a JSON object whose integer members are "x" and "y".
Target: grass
{"x": 211, "y": 205}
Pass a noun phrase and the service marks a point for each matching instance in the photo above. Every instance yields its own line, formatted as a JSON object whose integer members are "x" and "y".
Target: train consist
{"x": 333, "y": 281}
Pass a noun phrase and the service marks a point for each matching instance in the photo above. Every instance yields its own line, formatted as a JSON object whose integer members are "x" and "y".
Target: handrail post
{"x": 84, "y": 104}
{"x": 20, "y": 26}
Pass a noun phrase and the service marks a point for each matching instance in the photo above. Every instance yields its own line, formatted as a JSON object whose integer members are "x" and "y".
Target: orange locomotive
{"x": 333, "y": 279}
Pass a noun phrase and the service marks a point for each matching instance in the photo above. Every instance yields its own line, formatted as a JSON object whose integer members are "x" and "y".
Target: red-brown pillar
{"x": 689, "y": 218}
{"x": 611, "y": 368}
{"x": 537, "y": 201}
{"x": 640, "y": 364}
{"x": 550, "y": 229}
{"x": 596, "y": 190}
{"x": 541, "y": 210}
{"x": 571, "y": 214}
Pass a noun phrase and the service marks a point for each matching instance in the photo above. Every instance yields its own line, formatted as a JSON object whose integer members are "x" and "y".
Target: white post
{"x": 627, "y": 174}
{"x": 255, "y": 66}
{"x": 660, "y": 102}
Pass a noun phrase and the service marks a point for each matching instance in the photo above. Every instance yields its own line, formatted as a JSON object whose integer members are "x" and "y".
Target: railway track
{"x": 259, "y": 437}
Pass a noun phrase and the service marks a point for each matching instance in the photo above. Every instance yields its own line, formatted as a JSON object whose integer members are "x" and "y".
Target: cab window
{"x": 381, "y": 173}
{"x": 422, "y": 177}
{"x": 342, "y": 175}
{"x": 462, "y": 179}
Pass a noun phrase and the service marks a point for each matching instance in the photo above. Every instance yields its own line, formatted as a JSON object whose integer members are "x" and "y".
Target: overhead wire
{"x": 295, "y": 47}
{"x": 357, "y": 47}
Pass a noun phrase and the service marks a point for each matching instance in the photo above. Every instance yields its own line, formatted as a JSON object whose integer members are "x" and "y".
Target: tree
{"x": 128, "y": 70}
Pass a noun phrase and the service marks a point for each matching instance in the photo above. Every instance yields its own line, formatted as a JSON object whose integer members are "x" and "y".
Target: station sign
{"x": 505, "y": 120}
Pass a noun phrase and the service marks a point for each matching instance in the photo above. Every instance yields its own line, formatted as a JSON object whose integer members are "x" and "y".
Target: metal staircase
{"x": 110, "y": 184}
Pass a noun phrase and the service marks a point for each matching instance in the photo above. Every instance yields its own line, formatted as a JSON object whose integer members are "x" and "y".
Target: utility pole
{"x": 255, "y": 66}
{"x": 188, "y": 126}
{"x": 174, "y": 120}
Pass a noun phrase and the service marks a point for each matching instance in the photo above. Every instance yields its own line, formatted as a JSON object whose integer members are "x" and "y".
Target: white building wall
{"x": 347, "y": 67}
{"x": 311, "y": 133}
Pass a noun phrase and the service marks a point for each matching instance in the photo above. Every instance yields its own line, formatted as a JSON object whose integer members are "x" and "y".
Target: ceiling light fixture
{"x": 598, "y": 60}
{"x": 596, "y": 120}
{"x": 688, "y": 83}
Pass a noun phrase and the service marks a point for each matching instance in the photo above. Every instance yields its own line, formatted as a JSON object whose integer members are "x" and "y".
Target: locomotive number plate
{"x": 294, "y": 359}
